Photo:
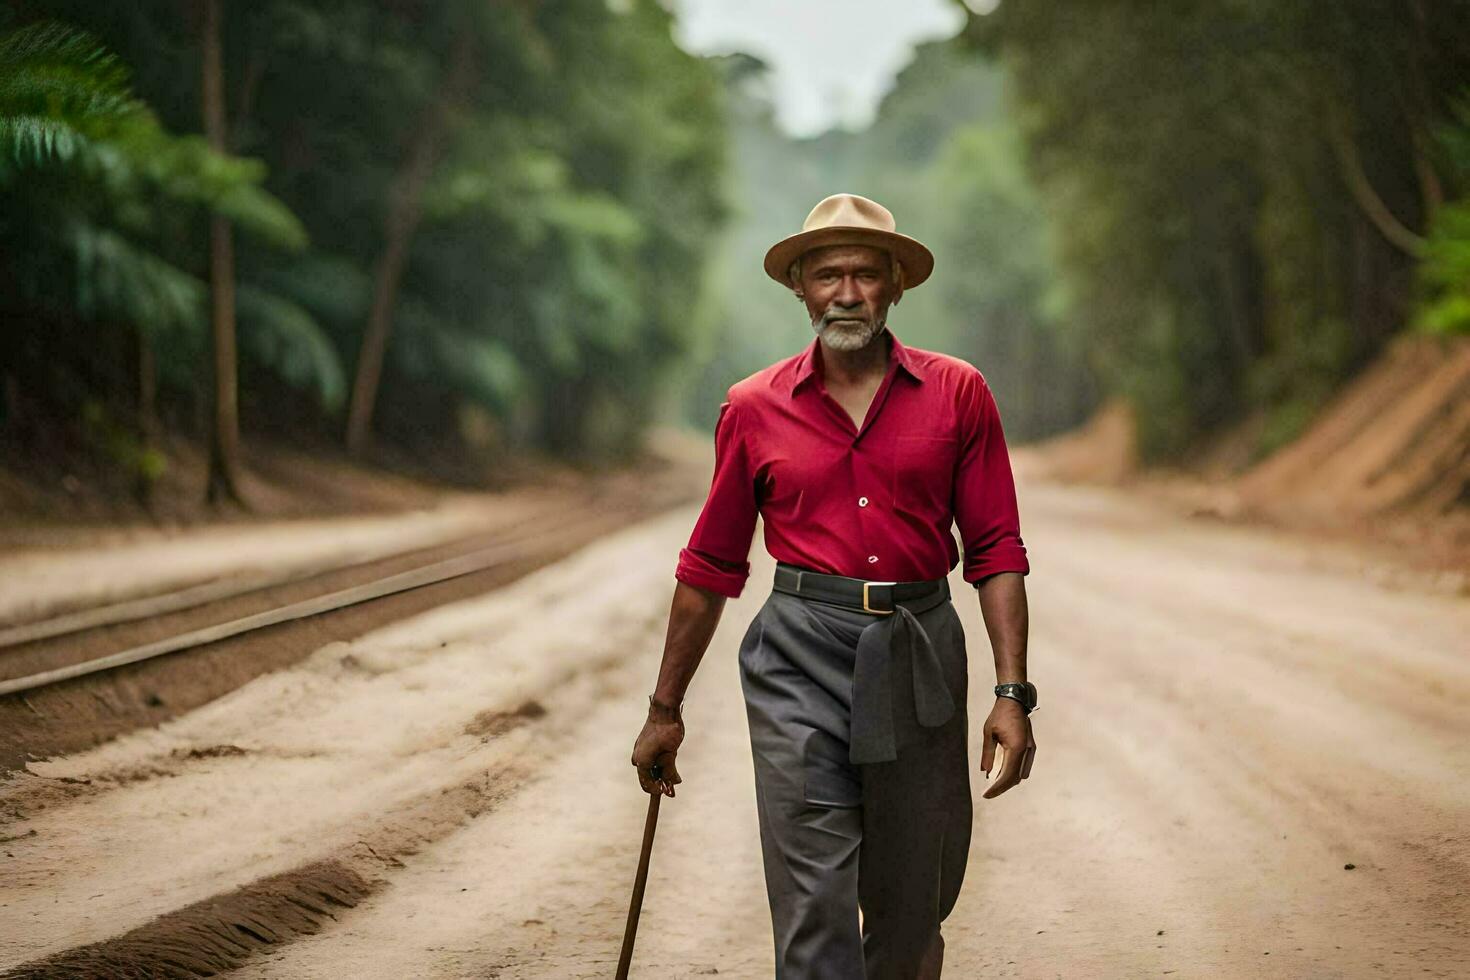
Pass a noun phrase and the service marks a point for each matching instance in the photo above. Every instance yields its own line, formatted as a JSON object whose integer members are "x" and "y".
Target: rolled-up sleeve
{"x": 717, "y": 556}
{"x": 985, "y": 506}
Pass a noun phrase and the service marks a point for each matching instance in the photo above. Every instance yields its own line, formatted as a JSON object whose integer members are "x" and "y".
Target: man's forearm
{"x": 693, "y": 616}
{"x": 1003, "y": 607}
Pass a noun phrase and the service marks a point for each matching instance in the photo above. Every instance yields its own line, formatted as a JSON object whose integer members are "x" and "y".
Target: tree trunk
{"x": 11, "y": 418}
{"x": 1430, "y": 188}
{"x": 1365, "y": 196}
{"x": 405, "y": 207}
{"x": 224, "y": 442}
{"x": 147, "y": 388}
{"x": 148, "y": 427}
{"x": 1238, "y": 286}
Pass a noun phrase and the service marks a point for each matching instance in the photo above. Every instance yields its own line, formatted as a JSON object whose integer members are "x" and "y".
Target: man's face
{"x": 847, "y": 290}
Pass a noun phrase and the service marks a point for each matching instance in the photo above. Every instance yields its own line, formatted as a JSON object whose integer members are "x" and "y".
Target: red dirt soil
{"x": 1387, "y": 460}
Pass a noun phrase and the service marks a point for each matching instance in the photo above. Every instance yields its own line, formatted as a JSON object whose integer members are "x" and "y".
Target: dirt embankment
{"x": 1387, "y": 461}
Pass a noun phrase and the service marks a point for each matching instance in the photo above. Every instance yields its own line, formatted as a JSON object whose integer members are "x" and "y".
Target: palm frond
{"x": 482, "y": 366}
{"x": 260, "y": 212}
{"x": 62, "y": 95}
{"x": 37, "y": 138}
{"x": 284, "y": 337}
{"x": 117, "y": 279}
{"x": 58, "y": 87}
{"x": 333, "y": 288}
{"x": 435, "y": 347}
{"x": 187, "y": 170}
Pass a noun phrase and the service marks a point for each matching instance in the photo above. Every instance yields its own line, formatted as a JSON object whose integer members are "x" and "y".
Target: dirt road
{"x": 1254, "y": 761}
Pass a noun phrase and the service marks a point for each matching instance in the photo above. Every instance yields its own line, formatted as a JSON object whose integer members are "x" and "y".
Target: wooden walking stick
{"x": 641, "y": 879}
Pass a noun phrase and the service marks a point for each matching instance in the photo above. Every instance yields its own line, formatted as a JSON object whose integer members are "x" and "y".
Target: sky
{"x": 831, "y": 60}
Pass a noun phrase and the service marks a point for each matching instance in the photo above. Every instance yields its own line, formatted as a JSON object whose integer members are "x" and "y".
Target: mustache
{"x": 841, "y": 314}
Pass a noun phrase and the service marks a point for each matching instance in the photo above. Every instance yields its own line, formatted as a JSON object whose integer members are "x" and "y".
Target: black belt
{"x": 895, "y": 605}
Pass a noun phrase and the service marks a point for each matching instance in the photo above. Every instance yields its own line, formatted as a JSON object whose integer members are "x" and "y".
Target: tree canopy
{"x": 1240, "y": 194}
{"x": 482, "y": 225}
{"x": 519, "y": 194}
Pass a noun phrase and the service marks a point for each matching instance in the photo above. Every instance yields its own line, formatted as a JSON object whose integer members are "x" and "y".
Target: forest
{"x": 1208, "y": 210}
{"x": 1248, "y": 199}
{"x": 414, "y": 232}
{"x": 346, "y": 222}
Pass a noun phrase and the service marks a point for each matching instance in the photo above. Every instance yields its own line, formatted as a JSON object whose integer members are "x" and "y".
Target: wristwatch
{"x": 1025, "y": 693}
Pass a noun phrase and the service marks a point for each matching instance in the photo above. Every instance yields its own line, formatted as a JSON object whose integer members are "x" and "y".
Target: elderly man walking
{"x": 859, "y": 453}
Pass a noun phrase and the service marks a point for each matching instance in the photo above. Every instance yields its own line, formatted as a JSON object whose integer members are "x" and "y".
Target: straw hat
{"x": 847, "y": 219}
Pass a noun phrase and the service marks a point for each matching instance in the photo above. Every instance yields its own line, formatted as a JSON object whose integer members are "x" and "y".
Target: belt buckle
{"x": 868, "y": 608}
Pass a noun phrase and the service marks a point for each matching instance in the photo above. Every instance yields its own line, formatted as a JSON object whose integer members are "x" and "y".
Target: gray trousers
{"x": 889, "y": 838}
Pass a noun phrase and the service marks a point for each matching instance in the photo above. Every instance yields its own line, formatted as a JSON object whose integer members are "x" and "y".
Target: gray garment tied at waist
{"x": 872, "y": 730}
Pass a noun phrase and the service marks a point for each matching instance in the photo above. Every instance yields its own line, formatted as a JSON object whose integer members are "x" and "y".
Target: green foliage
{"x": 1444, "y": 276}
{"x": 994, "y": 299}
{"x": 117, "y": 279}
{"x": 65, "y": 98}
{"x": 100, "y": 220}
{"x": 282, "y": 336}
{"x": 331, "y": 287}
{"x": 565, "y": 233}
{"x": 483, "y": 366}
{"x": 187, "y": 172}
{"x": 561, "y": 232}
{"x": 1226, "y": 184}
{"x": 59, "y": 88}
{"x": 121, "y": 444}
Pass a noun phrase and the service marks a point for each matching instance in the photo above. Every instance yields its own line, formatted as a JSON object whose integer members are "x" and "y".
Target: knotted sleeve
{"x": 716, "y": 557}
{"x": 984, "y": 503}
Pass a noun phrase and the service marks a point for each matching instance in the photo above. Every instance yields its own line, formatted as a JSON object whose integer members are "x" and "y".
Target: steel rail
{"x": 193, "y": 596}
{"x": 439, "y": 571}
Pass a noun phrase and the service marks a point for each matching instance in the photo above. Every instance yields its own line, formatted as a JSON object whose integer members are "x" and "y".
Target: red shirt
{"x": 873, "y": 502}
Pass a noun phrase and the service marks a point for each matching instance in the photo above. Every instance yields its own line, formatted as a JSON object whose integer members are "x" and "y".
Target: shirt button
{"x": 872, "y": 558}
{"x": 862, "y": 501}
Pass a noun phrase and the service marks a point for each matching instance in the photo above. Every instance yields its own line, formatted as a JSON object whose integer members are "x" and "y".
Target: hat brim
{"x": 917, "y": 260}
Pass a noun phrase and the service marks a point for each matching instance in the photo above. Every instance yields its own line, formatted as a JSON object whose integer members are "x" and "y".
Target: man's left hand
{"x": 1009, "y": 727}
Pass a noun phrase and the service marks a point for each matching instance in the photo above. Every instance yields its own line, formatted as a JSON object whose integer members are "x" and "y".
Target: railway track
{"x": 306, "y": 829}
{"x": 508, "y": 547}
{"x": 72, "y": 680}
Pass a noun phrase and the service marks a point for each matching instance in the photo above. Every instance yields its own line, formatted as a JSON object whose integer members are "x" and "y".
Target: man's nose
{"x": 848, "y": 295}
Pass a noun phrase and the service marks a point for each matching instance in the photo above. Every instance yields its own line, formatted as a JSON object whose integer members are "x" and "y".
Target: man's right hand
{"x": 658, "y": 743}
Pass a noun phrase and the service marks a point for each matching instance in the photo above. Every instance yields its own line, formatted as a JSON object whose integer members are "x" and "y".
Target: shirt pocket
{"x": 923, "y": 473}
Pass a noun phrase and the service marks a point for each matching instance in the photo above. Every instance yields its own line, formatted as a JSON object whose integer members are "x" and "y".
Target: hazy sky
{"x": 831, "y": 60}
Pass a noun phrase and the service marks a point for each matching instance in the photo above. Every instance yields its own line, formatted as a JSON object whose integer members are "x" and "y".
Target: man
{"x": 859, "y": 453}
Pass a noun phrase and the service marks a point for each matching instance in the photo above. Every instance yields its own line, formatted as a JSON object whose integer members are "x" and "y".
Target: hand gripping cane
{"x": 641, "y": 879}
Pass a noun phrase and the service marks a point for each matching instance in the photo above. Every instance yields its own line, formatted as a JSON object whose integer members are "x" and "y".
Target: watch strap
{"x": 1023, "y": 693}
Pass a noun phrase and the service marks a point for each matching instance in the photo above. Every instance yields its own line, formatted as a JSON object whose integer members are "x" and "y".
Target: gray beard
{"x": 848, "y": 338}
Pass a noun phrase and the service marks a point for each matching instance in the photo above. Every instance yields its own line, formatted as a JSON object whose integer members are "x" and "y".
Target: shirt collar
{"x": 806, "y": 364}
